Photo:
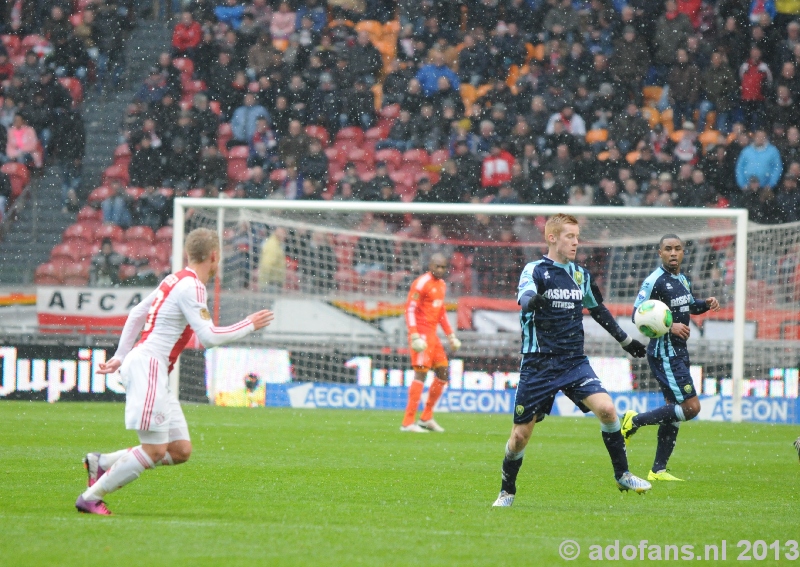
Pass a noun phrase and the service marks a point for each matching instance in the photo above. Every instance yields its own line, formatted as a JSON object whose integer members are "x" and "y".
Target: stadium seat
{"x": 111, "y": 231}
{"x": 166, "y": 191}
{"x": 224, "y": 135}
{"x": 420, "y": 157}
{"x": 164, "y": 235}
{"x": 47, "y": 274}
{"x": 69, "y": 251}
{"x": 361, "y": 155}
{"x": 215, "y": 107}
{"x": 128, "y": 249}
{"x": 197, "y": 193}
{"x": 122, "y": 155}
{"x": 375, "y": 134}
{"x": 140, "y": 233}
{"x": 352, "y": 133}
{"x": 391, "y": 111}
{"x": 81, "y": 231}
{"x": 344, "y": 147}
{"x": 278, "y": 175}
{"x": 89, "y": 213}
{"x": 99, "y": 194}
{"x": 710, "y": 137}
{"x": 116, "y": 173}
{"x": 74, "y": 88}
{"x": 76, "y": 274}
{"x": 126, "y": 271}
{"x": 652, "y": 116}
{"x": 392, "y": 157}
{"x": 439, "y": 157}
{"x": 652, "y": 95}
{"x": 134, "y": 192}
{"x": 346, "y": 280}
{"x": 237, "y": 164}
{"x": 632, "y": 157}
{"x": 596, "y": 136}
{"x": 185, "y": 66}
{"x": 19, "y": 175}
{"x": 191, "y": 88}
{"x": 364, "y": 174}
{"x": 320, "y": 134}
{"x": 12, "y": 44}
{"x": 160, "y": 253}
{"x": 332, "y": 154}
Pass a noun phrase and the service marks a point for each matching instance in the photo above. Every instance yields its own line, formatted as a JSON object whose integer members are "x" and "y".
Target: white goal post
{"x": 625, "y": 226}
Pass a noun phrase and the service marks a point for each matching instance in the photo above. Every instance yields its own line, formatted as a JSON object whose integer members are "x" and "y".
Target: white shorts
{"x": 150, "y": 408}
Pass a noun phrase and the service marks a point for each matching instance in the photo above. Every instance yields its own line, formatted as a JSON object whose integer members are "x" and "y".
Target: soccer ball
{"x": 653, "y": 318}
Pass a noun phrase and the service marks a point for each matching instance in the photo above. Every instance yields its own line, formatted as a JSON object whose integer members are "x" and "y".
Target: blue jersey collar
{"x": 670, "y": 274}
{"x": 553, "y": 262}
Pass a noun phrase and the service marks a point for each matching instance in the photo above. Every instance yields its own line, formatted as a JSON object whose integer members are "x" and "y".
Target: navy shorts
{"x": 541, "y": 378}
{"x": 673, "y": 377}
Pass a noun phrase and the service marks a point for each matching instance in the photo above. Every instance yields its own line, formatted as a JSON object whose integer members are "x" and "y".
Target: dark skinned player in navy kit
{"x": 668, "y": 356}
{"x": 553, "y": 292}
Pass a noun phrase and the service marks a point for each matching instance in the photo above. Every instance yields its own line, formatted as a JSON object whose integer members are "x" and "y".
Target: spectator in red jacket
{"x": 496, "y": 167}
{"x": 756, "y": 79}
{"x": 186, "y": 36}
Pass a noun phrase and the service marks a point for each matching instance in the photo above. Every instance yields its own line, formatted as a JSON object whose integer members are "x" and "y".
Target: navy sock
{"x": 615, "y": 445}
{"x": 664, "y": 414}
{"x": 667, "y": 437}
{"x": 511, "y": 465}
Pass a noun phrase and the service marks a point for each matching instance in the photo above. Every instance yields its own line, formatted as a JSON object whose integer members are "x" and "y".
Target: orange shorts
{"x": 432, "y": 357}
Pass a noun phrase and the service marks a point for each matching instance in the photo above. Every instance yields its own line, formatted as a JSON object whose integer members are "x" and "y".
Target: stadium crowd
{"x": 670, "y": 103}
{"x": 577, "y": 102}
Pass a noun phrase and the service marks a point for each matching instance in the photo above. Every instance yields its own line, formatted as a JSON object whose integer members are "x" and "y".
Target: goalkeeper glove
{"x": 455, "y": 344}
{"x": 418, "y": 343}
{"x": 633, "y": 347}
{"x": 536, "y": 302}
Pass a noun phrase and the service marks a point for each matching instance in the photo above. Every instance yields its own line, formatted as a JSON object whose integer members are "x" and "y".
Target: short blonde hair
{"x": 200, "y": 243}
{"x": 555, "y": 224}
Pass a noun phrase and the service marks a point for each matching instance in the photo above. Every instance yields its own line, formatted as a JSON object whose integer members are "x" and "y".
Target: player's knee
{"x": 155, "y": 452}
{"x": 180, "y": 452}
{"x": 691, "y": 408}
{"x": 606, "y": 412}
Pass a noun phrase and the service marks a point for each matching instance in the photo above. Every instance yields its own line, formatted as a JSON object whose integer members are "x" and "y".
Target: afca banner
{"x": 86, "y": 308}
{"x": 311, "y": 395}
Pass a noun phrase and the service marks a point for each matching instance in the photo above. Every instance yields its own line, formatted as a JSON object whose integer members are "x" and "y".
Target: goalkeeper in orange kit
{"x": 425, "y": 311}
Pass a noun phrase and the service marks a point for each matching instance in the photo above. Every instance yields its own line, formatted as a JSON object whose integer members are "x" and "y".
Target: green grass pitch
{"x": 334, "y": 487}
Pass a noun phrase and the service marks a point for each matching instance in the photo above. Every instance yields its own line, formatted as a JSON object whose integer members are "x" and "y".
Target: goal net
{"x": 337, "y": 275}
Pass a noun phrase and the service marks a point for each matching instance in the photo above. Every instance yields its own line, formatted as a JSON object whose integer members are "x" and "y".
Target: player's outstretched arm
{"x": 261, "y": 319}
{"x": 133, "y": 326}
{"x": 699, "y": 306}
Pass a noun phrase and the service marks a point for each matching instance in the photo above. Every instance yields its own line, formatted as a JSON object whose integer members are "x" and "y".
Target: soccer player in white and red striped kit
{"x": 166, "y": 318}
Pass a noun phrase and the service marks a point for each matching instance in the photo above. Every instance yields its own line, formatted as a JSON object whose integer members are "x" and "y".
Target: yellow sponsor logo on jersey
{"x": 204, "y": 314}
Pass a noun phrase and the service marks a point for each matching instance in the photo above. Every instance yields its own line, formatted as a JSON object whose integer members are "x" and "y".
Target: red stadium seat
{"x": 346, "y": 280}
{"x": 215, "y": 107}
{"x": 140, "y": 233}
{"x": 278, "y": 175}
{"x": 69, "y": 251}
{"x": 375, "y": 134}
{"x": 81, "y": 231}
{"x": 361, "y": 154}
{"x": 351, "y": 133}
{"x": 116, "y": 173}
{"x": 420, "y": 157}
{"x": 111, "y": 231}
{"x": 320, "y": 134}
{"x": 47, "y": 274}
{"x": 134, "y": 193}
{"x": 439, "y": 157}
{"x": 99, "y": 194}
{"x": 224, "y": 135}
{"x": 164, "y": 235}
{"x": 198, "y": 193}
{"x": 127, "y": 249}
{"x": 184, "y": 65}
{"x": 76, "y": 274}
{"x": 74, "y": 88}
{"x": 88, "y": 213}
{"x": 160, "y": 253}
{"x": 392, "y": 157}
{"x": 13, "y": 45}
{"x": 391, "y": 111}
{"x": 122, "y": 155}
{"x": 191, "y": 88}
{"x": 237, "y": 163}
{"x": 18, "y": 175}
{"x": 126, "y": 271}
{"x": 166, "y": 191}
{"x": 332, "y": 154}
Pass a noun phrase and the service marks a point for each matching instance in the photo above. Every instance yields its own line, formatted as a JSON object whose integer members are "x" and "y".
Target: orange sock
{"x": 434, "y": 393}
{"x": 414, "y": 394}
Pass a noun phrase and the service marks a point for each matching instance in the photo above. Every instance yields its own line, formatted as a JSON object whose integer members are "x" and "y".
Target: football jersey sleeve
{"x": 443, "y": 321}
{"x": 644, "y": 294}
{"x": 528, "y": 281}
{"x": 192, "y": 302}
{"x": 591, "y": 293}
{"x": 133, "y": 326}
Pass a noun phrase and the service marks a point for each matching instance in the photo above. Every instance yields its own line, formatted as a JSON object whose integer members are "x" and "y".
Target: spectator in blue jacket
{"x": 245, "y": 118}
{"x": 429, "y": 74}
{"x": 230, "y": 13}
{"x": 760, "y": 159}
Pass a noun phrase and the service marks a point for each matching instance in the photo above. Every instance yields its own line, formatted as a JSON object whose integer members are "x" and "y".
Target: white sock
{"x": 166, "y": 461}
{"x": 125, "y": 470}
{"x": 107, "y": 460}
